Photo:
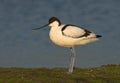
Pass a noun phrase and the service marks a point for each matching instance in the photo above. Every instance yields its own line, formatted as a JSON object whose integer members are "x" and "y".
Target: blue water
{"x": 22, "y": 47}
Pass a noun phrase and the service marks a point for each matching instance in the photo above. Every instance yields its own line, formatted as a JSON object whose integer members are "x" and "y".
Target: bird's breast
{"x": 59, "y": 39}
{"x": 56, "y": 36}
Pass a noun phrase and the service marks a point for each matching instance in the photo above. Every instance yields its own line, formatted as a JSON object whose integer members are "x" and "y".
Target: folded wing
{"x": 74, "y": 31}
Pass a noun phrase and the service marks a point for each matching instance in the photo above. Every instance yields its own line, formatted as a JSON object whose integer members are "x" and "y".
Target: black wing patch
{"x": 64, "y": 27}
{"x": 87, "y": 32}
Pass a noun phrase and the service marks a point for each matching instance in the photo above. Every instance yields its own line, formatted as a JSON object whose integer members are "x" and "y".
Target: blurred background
{"x": 22, "y": 47}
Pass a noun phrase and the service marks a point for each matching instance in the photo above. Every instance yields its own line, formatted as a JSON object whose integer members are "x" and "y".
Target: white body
{"x": 59, "y": 39}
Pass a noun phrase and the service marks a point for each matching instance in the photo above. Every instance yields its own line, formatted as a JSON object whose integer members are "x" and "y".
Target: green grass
{"x": 103, "y": 74}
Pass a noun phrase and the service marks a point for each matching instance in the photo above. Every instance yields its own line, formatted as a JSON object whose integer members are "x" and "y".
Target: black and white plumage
{"x": 75, "y": 32}
{"x": 69, "y": 36}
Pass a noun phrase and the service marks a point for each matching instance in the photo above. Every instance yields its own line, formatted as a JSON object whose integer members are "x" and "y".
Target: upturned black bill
{"x": 41, "y": 27}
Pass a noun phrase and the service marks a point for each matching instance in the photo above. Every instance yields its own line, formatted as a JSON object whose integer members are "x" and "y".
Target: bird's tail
{"x": 97, "y": 36}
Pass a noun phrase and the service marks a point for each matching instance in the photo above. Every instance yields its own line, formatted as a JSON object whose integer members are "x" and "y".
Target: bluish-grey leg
{"x": 72, "y": 60}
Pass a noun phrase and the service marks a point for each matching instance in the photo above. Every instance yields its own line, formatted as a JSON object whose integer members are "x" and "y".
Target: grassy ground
{"x": 103, "y": 74}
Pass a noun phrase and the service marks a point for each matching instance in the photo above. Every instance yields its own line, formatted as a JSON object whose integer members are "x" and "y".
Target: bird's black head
{"x": 52, "y": 19}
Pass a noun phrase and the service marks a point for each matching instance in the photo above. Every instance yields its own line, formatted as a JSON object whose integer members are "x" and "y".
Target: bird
{"x": 69, "y": 36}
